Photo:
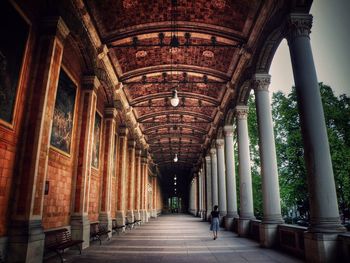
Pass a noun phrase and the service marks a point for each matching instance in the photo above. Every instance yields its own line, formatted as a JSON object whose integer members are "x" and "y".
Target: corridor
{"x": 176, "y": 238}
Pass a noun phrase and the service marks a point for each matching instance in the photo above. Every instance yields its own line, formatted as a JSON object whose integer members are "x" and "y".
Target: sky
{"x": 330, "y": 43}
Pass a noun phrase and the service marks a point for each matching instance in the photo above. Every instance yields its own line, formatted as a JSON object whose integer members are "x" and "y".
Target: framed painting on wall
{"x": 12, "y": 51}
{"x": 95, "y": 160}
{"x": 62, "y": 123}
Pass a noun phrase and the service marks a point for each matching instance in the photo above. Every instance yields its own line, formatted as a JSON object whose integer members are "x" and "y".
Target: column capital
{"x": 212, "y": 151}
{"x": 91, "y": 83}
{"x": 110, "y": 113}
{"x": 55, "y": 26}
{"x": 123, "y": 131}
{"x": 138, "y": 151}
{"x": 131, "y": 144}
{"x": 261, "y": 82}
{"x": 144, "y": 160}
{"x": 207, "y": 158}
{"x": 298, "y": 25}
{"x": 241, "y": 112}
{"x": 228, "y": 130}
{"x": 220, "y": 143}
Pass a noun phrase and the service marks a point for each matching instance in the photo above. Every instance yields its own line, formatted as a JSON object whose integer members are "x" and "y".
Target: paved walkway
{"x": 176, "y": 238}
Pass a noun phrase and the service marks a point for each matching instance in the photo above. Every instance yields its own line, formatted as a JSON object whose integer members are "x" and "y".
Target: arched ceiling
{"x": 203, "y": 74}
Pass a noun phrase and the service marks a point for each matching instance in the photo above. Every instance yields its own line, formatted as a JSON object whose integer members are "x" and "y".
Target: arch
{"x": 177, "y": 112}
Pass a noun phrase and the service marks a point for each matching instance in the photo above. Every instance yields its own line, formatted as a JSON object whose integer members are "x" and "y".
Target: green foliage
{"x": 290, "y": 151}
{"x": 289, "y": 148}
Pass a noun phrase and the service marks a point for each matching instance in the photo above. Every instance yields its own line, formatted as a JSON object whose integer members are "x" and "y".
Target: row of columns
{"x": 26, "y": 236}
{"x": 321, "y": 237}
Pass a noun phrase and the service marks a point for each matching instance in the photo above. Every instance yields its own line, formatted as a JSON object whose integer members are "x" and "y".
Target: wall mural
{"x": 97, "y": 141}
{"x": 62, "y": 124}
{"x": 11, "y": 57}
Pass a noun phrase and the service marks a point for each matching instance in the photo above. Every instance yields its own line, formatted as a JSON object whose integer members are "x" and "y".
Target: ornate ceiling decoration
{"x": 198, "y": 47}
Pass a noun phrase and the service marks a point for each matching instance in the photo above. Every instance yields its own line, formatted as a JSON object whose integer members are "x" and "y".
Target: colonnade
{"x": 219, "y": 163}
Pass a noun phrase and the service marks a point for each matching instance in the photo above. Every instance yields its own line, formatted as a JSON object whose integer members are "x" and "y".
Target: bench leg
{"x": 61, "y": 256}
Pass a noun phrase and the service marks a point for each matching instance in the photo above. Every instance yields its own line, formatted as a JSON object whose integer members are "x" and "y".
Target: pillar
{"x": 270, "y": 187}
{"x": 200, "y": 194}
{"x": 131, "y": 180}
{"x": 154, "y": 197}
{"x": 144, "y": 189}
{"x": 105, "y": 216}
{"x": 26, "y": 237}
{"x": 321, "y": 237}
{"x": 230, "y": 178}
{"x": 204, "y": 195}
{"x": 209, "y": 187}
{"x": 214, "y": 177}
{"x": 121, "y": 174}
{"x": 80, "y": 225}
{"x": 245, "y": 179}
{"x": 137, "y": 201}
{"x": 221, "y": 179}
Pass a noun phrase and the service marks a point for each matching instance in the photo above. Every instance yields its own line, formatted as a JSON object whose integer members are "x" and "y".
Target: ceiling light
{"x": 175, "y": 178}
{"x": 174, "y": 101}
{"x": 175, "y": 158}
{"x": 174, "y": 183}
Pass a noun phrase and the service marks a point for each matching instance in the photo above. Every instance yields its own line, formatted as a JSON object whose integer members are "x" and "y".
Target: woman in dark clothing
{"x": 214, "y": 226}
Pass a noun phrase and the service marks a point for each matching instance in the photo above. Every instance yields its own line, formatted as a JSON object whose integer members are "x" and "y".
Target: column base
{"x": 321, "y": 247}
{"x": 137, "y": 215}
{"x": 229, "y": 223}
{"x": 80, "y": 229}
{"x": 243, "y": 227}
{"x": 26, "y": 241}
{"x": 106, "y": 220}
{"x": 209, "y": 216}
{"x": 153, "y": 213}
{"x": 120, "y": 218}
{"x": 204, "y": 215}
{"x": 268, "y": 235}
{"x": 3, "y": 247}
{"x": 130, "y": 216}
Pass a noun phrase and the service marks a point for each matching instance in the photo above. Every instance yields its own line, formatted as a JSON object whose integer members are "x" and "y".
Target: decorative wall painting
{"x": 97, "y": 141}
{"x": 62, "y": 124}
{"x": 11, "y": 57}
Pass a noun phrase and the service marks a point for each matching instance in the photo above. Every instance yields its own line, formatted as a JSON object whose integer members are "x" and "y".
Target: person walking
{"x": 214, "y": 226}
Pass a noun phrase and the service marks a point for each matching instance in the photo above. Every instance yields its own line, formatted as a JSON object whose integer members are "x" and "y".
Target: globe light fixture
{"x": 174, "y": 101}
{"x": 175, "y": 158}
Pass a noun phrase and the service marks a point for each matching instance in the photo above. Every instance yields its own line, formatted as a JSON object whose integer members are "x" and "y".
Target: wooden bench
{"x": 137, "y": 222}
{"x": 59, "y": 240}
{"x": 117, "y": 228}
{"x": 97, "y": 231}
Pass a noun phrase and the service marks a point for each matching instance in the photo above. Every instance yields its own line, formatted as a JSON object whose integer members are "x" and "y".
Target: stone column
{"x": 154, "y": 196}
{"x": 200, "y": 193}
{"x": 245, "y": 179}
{"x": 131, "y": 180}
{"x": 26, "y": 237}
{"x": 230, "y": 178}
{"x": 270, "y": 187}
{"x": 209, "y": 188}
{"x": 137, "y": 201}
{"x": 144, "y": 190}
{"x": 221, "y": 179}
{"x": 214, "y": 177}
{"x": 106, "y": 195}
{"x": 321, "y": 238}
{"x": 204, "y": 195}
{"x": 121, "y": 173}
{"x": 80, "y": 225}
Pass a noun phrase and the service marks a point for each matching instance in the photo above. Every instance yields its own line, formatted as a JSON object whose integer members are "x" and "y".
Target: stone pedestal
{"x": 268, "y": 235}
{"x": 137, "y": 215}
{"x": 120, "y": 218}
{"x": 321, "y": 247}
{"x": 243, "y": 227}
{"x": 228, "y": 223}
{"x": 27, "y": 241}
{"x": 106, "y": 220}
{"x": 130, "y": 216}
{"x": 80, "y": 229}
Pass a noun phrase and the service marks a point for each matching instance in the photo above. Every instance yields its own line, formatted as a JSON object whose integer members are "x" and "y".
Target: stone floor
{"x": 176, "y": 238}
